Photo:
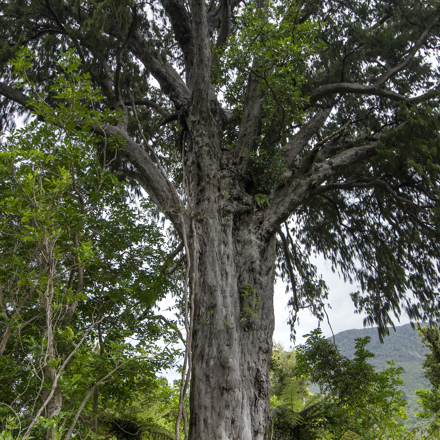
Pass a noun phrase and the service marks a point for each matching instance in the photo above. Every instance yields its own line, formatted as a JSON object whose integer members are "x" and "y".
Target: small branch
{"x": 119, "y": 58}
{"x": 331, "y": 328}
{"x": 177, "y": 251}
{"x": 149, "y": 103}
{"x": 147, "y": 145}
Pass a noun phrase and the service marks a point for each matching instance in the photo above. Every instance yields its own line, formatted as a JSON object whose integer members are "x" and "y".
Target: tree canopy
{"x": 347, "y": 104}
{"x": 266, "y": 132}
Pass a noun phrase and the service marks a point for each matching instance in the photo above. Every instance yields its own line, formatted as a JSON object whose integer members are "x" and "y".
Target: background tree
{"x": 296, "y": 413}
{"x": 80, "y": 271}
{"x": 357, "y": 402}
{"x": 264, "y": 131}
{"x": 430, "y": 399}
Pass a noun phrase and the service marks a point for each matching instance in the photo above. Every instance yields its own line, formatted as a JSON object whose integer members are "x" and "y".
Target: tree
{"x": 265, "y": 132}
{"x": 430, "y": 399}
{"x": 74, "y": 291}
{"x": 357, "y": 400}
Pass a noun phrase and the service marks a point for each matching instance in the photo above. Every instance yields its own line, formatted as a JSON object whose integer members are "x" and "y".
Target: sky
{"x": 341, "y": 315}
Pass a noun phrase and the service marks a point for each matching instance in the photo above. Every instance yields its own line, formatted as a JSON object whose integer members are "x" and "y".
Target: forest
{"x": 199, "y": 151}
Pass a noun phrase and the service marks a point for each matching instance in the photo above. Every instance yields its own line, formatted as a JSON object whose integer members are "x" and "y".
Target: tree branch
{"x": 225, "y": 24}
{"x": 294, "y": 147}
{"x": 367, "y": 182}
{"x": 16, "y": 96}
{"x": 170, "y": 81}
{"x": 152, "y": 104}
{"x": 418, "y": 44}
{"x": 152, "y": 180}
{"x": 56, "y": 379}
{"x": 201, "y": 71}
{"x": 250, "y": 125}
{"x": 360, "y": 89}
{"x": 89, "y": 394}
{"x": 302, "y": 184}
{"x": 181, "y": 24}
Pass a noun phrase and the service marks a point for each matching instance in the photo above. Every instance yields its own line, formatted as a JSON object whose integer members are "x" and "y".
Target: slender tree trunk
{"x": 233, "y": 304}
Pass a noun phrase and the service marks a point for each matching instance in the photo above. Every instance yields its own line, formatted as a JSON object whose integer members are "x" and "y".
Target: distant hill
{"x": 403, "y": 346}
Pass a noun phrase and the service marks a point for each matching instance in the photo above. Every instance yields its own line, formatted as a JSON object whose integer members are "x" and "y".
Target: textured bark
{"x": 232, "y": 338}
{"x": 231, "y": 349}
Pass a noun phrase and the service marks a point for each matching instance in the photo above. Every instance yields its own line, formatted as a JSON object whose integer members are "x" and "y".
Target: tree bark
{"x": 233, "y": 299}
{"x": 232, "y": 346}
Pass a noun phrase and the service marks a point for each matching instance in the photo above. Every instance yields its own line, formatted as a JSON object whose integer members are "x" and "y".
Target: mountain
{"x": 403, "y": 346}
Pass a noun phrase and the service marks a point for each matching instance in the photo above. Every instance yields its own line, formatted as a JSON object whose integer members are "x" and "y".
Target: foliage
{"x": 80, "y": 271}
{"x": 357, "y": 399}
{"x": 430, "y": 398}
{"x": 296, "y": 414}
{"x": 404, "y": 346}
{"x": 274, "y": 44}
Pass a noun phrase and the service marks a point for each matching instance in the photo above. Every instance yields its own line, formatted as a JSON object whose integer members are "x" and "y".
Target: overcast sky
{"x": 341, "y": 315}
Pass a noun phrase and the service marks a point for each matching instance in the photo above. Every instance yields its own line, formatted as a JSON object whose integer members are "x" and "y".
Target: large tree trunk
{"x": 233, "y": 307}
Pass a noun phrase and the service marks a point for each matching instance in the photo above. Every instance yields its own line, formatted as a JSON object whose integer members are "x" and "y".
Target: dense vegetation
{"x": 82, "y": 267}
{"x": 342, "y": 391}
{"x": 404, "y": 346}
{"x": 264, "y": 132}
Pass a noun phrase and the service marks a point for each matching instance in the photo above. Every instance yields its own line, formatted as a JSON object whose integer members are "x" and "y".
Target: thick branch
{"x": 16, "y": 96}
{"x": 181, "y": 23}
{"x": 250, "y": 126}
{"x": 170, "y": 81}
{"x": 360, "y": 89}
{"x": 302, "y": 184}
{"x": 225, "y": 26}
{"x": 202, "y": 55}
{"x": 214, "y": 19}
{"x": 302, "y": 138}
{"x": 152, "y": 180}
